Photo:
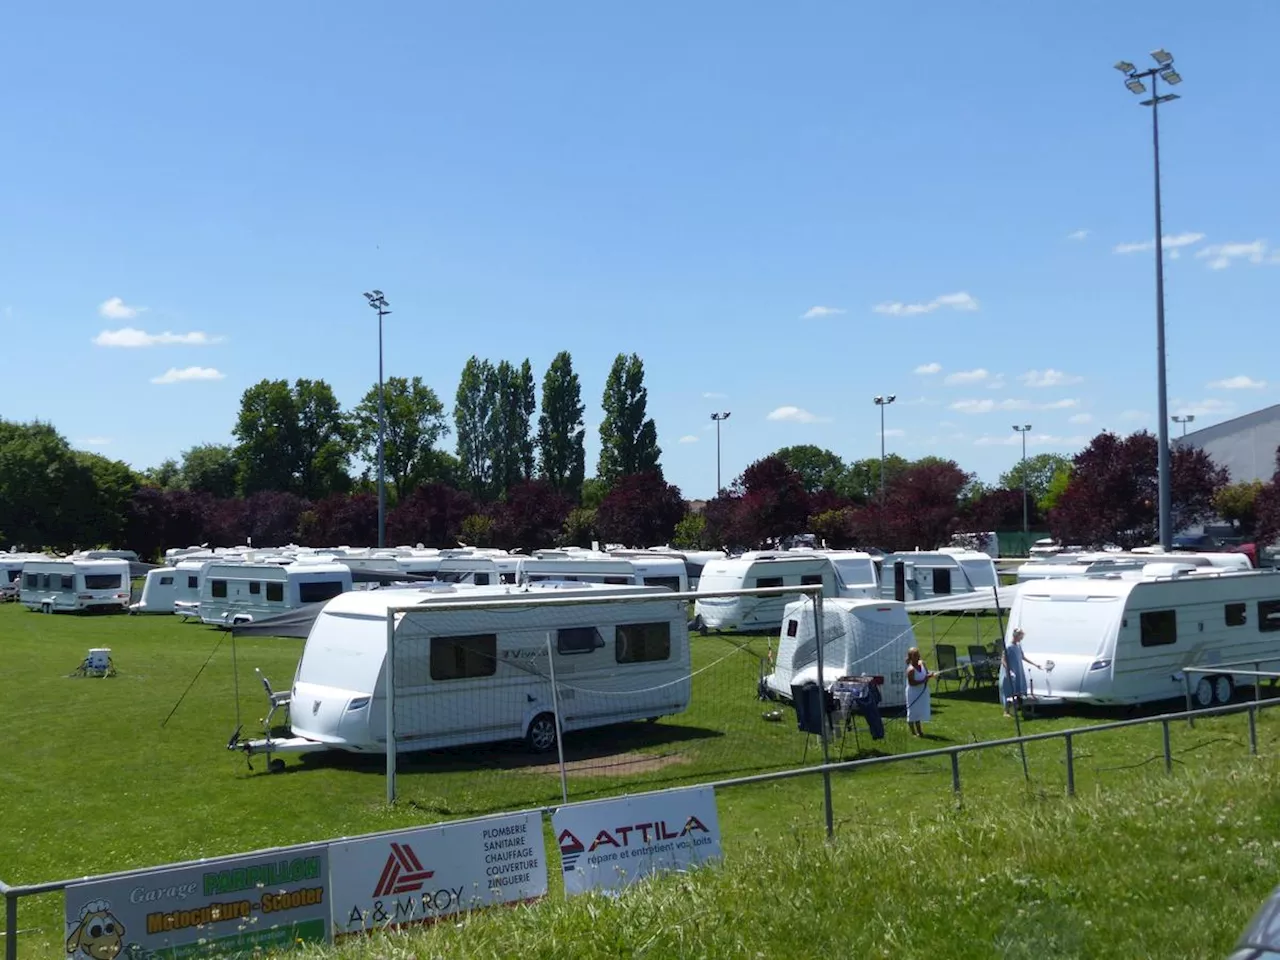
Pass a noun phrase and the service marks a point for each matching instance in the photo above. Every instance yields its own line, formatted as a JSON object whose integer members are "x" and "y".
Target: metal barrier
{"x": 12, "y": 894}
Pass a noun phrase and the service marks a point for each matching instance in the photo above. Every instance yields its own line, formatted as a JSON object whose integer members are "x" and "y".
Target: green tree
{"x": 512, "y": 402}
{"x": 1237, "y": 503}
{"x": 96, "y": 500}
{"x": 691, "y": 533}
{"x": 292, "y": 439}
{"x": 36, "y": 470}
{"x": 1057, "y": 487}
{"x": 594, "y": 490}
{"x": 579, "y": 527}
{"x": 819, "y": 468}
{"x": 561, "y": 433}
{"x": 1040, "y": 471}
{"x": 167, "y": 476}
{"x": 471, "y": 422}
{"x": 210, "y": 468}
{"x": 861, "y": 480}
{"x": 628, "y": 438}
{"x": 477, "y": 530}
{"x": 414, "y": 421}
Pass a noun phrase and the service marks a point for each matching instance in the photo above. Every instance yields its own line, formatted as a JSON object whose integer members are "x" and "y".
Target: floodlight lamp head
{"x": 1135, "y": 86}
{"x": 1171, "y": 76}
{"x": 378, "y": 294}
{"x": 1162, "y": 57}
{"x": 1124, "y": 66}
{"x": 892, "y": 397}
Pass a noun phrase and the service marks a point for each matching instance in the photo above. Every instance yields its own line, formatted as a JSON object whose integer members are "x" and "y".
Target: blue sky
{"x": 739, "y": 193}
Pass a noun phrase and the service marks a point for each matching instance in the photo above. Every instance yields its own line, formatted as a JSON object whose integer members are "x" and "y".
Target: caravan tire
{"x": 1223, "y": 689}
{"x": 1202, "y": 693}
{"x": 541, "y": 737}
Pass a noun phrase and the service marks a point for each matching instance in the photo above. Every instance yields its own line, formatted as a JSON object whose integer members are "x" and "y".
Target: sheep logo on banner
{"x": 98, "y": 935}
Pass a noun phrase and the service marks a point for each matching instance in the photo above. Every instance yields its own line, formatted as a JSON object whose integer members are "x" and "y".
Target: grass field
{"x": 94, "y": 779}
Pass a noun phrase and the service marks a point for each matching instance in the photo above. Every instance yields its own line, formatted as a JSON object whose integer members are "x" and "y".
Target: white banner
{"x": 607, "y": 844}
{"x": 418, "y": 876}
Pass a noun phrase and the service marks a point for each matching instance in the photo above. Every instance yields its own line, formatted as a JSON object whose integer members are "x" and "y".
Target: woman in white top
{"x": 918, "y": 708}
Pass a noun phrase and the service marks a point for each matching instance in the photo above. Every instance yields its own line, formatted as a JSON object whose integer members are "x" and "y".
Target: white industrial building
{"x": 1245, "y": 445}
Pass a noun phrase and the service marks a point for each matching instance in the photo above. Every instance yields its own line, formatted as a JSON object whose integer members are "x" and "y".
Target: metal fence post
{"x": 1257, "y": 683}
{"x": 10, "y": 925}
{"x": 555, "y": 706}
{"x": 1071, "y": 768}
{"x": 1186, "y": 688}
{"x": 1253, "y": 730}
{"x": 391, "y": 706}
{"x": 1168, "y": 752}
{"x": 820, "y": 637}
{"x": 955, "y": 773}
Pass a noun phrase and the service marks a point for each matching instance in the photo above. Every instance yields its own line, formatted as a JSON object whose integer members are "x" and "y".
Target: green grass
{"x": 94, "y": 780}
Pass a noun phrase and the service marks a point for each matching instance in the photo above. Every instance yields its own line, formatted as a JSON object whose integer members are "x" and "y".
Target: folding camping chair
{"x": 948, "y": 666}
{"x": 983, "y": 667}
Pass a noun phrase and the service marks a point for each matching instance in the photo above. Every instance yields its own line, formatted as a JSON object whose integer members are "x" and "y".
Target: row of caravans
{"x": 1106, "y": 563}
{"x": 850, "y": 574}
{"x": 471, "y": 676}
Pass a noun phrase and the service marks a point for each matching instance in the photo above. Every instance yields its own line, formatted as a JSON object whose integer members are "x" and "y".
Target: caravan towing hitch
{"x": 235, "y": 743}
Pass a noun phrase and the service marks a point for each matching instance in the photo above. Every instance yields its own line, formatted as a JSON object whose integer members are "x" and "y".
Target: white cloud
{"x": 113, "y": 308}
{"x": 813, "y": 313}
{"x": 715, "y": 396}
{"x": 794, "y": 415}
{"x": 922, "y": 402}
{"x": 96, "y": 441}
{"x": 986, "y": 440}
{"x": 1171, "y": 242}
{"x": 996, "y": 382}
{"x": 929, "y": 369}
{"x": 1060, "y": 405}
{"x": 1135, "y": 416}
{"x": 688, "y": 438}
{"x": 1077, "y": 234}
{"x": 1240, "y": 382}
{"x": 893, "y": 432}
{"x": 1048, "y": 378}
{"x": 131, "y": 337}
{"x": 1212, "y": 407}
{"x": 956, "y": 301}
{"x": 1033, "y": 440}
{"x": 1080, "y": 418}
{"x": 987, "y": 406}
{"x": 966, "y": 376}
{"x": 1222, "y": 255}
{"x": 186, "y": 374}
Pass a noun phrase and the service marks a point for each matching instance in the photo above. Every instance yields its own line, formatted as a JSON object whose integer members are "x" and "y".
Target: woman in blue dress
{"x": 1014, "y": 687}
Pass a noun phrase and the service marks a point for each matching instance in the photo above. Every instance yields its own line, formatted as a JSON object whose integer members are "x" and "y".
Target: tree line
{"x": 518, "y": 480}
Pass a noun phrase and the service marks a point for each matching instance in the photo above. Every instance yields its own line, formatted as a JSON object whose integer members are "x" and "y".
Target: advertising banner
{"x": 418, "y": 876}
{"x": 607, "y": 844}
{"x": 238, "y": 906}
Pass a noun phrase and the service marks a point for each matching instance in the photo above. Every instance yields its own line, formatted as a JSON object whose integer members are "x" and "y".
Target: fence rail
{"x": 13, "y": 893}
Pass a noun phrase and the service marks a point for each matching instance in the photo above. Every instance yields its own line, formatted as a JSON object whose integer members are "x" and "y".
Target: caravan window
{"x": 218, "y": 588}
{"x": 810, "y": 578}
{"x": 480, "y": 579}
{"x": 460, "y": 658}
{"x": 671, "y": 583}
{"x": 1159, "y": 627}
{"x": 578, "y": 640}
{"x": 1236, "y": 615}
{"x": 95, "y": 581}
{"x": 166, "y": 581}
{"x": 69, "y": 583}
{"x": 508, "y": 577}
{"x": 616, "y": 580}
{"x": 46, "y": 582}
{"x": 941, "y": 581}
{"x": 192, "y": 582}
{"x": 14, "y": 575}
{"x": 793, "y": 626}
{"x": 255, "y": 587}
{"x": 642, "y": 642}
{"x": 275, "y": 592}
{"x": 768, "y": 581}
{"x": 316, "y": 592}
{"x": 1268, "y": 615}
{"x": 33, "y": 581}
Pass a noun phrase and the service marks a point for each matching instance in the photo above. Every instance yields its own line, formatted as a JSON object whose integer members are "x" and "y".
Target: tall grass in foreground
{"x": 1154, "y": 867}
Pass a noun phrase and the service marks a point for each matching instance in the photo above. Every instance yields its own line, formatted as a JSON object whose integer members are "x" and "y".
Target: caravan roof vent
{"x": 1167, "y": 569}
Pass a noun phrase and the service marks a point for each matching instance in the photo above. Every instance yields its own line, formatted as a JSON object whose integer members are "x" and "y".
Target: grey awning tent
{"x": 291, "y": 623}
{"x": 965, "y": 602}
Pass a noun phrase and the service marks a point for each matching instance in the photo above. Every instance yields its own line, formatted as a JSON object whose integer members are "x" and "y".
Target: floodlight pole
{"x": 1184, "y": 420}
{"x": 1024, "y": 429}
{"x": 882, "y": 402}
{"x": 718, "y": 418}
{"x": 1134, "y": 77}
{"x": 379, "y": 302}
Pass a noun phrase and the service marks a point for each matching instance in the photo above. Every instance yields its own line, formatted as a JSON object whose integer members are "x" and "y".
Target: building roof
{"x": 1226, "y": 428}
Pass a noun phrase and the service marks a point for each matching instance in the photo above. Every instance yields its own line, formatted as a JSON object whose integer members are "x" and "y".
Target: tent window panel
{"x": 463, "y": 658}
{"x": 578, "y": 640}
{"x": 275, "y": 592}
{"x": 1159, "y": 627}
{"x": 1269, "y": 615}
{"x": 218, "y": 588}
{"x": 642, "y": 642}
{"x": 1236, "y": 614}
{"x": 315, "y": 592}
{"x": 763, "y": 582}
{"x": 941, "y": 581}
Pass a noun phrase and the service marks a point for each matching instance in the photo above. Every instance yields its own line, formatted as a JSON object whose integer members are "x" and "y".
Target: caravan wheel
{"x": 1202, "y": 693}
{"x": 1223, "y": 689}
{"x": 542, "y": 733}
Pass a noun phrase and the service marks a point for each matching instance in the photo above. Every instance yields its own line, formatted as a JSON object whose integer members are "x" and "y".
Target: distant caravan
{"x": 61, "y": 586}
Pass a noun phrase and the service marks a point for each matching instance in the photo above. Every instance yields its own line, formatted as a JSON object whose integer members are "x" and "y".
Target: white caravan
{"x": 657, "y": 569}
{"x": 1107, "y": 563}
{"x": 482, "y": 676}
{"x": 856, "y": 574}
{"x": 51, "y": 586}
{"x": 861, "y": 638}
{"x": 916, "y": 575}
{"x": 1124, "y": 640}
{"x": 482, "y": 571}
{"x": 11, "y": 572}
{"x": 579, "y": 567}
{"x": 251, "y": 590}
{"x": 757, "y": 569}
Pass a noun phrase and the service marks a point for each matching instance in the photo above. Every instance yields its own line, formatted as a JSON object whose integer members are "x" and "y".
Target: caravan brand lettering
{"x": 403, "y": 872}
{"x": 261, "y": 875}
{"x": 522, "y": 653}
